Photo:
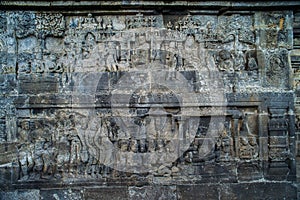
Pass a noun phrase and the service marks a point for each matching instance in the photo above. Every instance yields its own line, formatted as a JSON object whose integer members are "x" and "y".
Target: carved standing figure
{"x": 112, "y": 57}
{"x": 23, "y": 132}
{"x": 191, "y": 52}
{"x": 75, "y": 153}
{"x": 24, "y": 151}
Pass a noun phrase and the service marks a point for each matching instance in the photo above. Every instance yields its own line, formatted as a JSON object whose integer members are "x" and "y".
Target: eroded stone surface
{"x": 153, "y": 192}
{"x": 146, "y": 104}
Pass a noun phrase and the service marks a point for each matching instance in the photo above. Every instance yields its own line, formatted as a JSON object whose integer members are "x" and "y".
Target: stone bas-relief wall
{"x": 147, "y": 105}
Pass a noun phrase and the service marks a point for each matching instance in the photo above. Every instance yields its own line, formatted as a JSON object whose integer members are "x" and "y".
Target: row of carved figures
{"x": 61, "y": 146}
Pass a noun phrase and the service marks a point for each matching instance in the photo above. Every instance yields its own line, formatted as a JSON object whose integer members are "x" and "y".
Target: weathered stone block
{"x": 21, "y": 194}
{"x": 249, "y": 171}
{"x": 190, "y": 192}
{"x": 153, "y": 192}
{"x": 115, "y": 193}
{"x": 61, "y": 194}
{"x": 259, "y": 191}
{"x": 36, "y": 85}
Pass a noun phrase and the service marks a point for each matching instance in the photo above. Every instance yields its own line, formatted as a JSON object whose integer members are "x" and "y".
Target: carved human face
{"x": 244, "y": 141}
{"x": 189, "y": 41}
{"x": 123, "y": 145}
{"x": 90, "y": 39}
{"x": 134, "y": 146}
{"x": 37, "y": 125}
{"x": 111, "y": 45}
{"x": 94, "y": 125}
{"x": 224, "y": 55}
{"x": 82, "y": 122}
{"x": 46, "y": 145}
{"x": 252, "y": 141}
{"x": 25, "y": 125}
{"x": 142, "y": 39}
{"x": 172, "y": 45}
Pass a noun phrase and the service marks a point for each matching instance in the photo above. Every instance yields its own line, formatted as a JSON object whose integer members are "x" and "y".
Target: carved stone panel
{"x": 145, "y": 98}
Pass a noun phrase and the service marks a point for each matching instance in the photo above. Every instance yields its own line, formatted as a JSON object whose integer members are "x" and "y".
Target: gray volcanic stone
{"x": 149, "y": 99}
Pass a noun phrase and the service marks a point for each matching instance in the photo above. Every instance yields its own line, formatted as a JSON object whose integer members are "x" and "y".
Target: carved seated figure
{"x": 245, "y": 151}
{"x": 254, "y": 146}
{"x": 226, "y": 145}
{"x": 248, "y": 147}
{"x": 141, "y": 54}
{"x": 90, "y": 53}
{"x": 224, "y": 61}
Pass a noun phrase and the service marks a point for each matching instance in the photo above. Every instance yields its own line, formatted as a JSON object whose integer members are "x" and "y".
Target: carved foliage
{"x": 25, "y": 24}
{"x": 47, "y": 24}
{"x": 236, "y": 29}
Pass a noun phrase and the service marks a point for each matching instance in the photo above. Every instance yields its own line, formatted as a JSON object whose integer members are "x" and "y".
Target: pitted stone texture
{"x": 259, "y": 191}
{"x": 191, "y": 192}
{"x": 113, "y": 193}
{"x": 66, "y": 194}
{"x": 90, "y": 96}
{"x": 238, "y": 191}
{"x": 153, "y": 192}
{"x": 21, "y": 195}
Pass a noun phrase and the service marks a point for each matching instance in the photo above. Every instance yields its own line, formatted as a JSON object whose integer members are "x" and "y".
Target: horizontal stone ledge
{"x": 255, "y": 190}
{"x": 114, "y": 5}
{"x": 89, "y": 105}
{"x": 120, "y": 106}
